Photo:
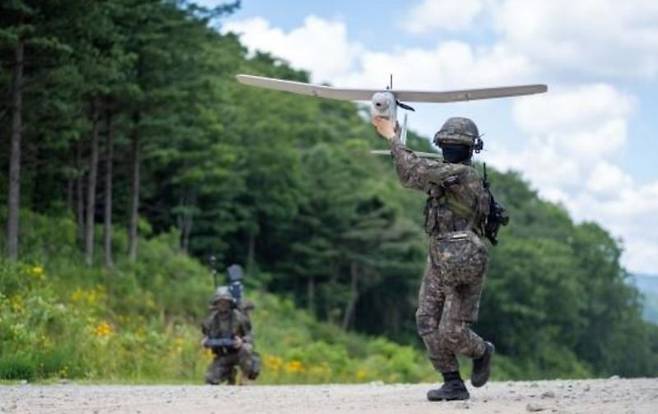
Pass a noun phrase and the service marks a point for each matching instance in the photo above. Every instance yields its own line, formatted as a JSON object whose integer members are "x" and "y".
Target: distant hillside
{"x": 648, "y": 285}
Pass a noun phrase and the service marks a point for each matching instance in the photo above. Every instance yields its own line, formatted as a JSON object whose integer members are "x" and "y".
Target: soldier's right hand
{"x": 237, "y": 342}
{"x": 385, "y": 127}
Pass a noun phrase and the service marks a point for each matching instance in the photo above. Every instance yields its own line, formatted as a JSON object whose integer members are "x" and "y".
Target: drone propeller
{"x": 397, "y": 101}
{"x": 404, "y": 105}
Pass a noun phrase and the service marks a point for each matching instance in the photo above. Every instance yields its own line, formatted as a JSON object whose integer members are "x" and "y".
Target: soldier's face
{"x": 224, "y": 305}
{"x": 455, "y": 153}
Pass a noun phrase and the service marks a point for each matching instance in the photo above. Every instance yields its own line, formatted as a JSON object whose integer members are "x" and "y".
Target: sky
{"x": 587, "y": 144}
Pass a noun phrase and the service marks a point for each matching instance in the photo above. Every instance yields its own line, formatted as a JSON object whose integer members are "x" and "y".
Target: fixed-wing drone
{"x": 384, "y": 102}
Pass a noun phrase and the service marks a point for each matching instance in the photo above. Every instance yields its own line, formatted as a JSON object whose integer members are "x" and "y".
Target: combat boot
{"x": 453, "y": 388}
{"x": 482, "y": 366}
{"x": 231, "y": 377}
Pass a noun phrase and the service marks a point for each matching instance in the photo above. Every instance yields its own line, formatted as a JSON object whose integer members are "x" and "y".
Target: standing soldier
{"x": 455, "y": 218}
{"x": 227, "y": 332}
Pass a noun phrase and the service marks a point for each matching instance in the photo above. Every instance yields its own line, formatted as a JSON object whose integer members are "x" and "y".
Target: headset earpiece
{"x": 478, "y": 144}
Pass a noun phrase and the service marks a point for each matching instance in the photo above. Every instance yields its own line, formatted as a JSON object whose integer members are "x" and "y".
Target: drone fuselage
{"x": 384, "y": 104}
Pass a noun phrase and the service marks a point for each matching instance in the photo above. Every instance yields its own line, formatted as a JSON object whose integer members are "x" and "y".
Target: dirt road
{"x": 619, "y": 396}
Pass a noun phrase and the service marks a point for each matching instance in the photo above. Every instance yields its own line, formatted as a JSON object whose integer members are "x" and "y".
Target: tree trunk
{"x": 79, "y": 191}
{"x": 107, "y": 222}
{"x": 251, "y": 252}
{"x": 91, "y": 187}
{"x": 134, "y": 206}
{"x": 186, "y": 219}
{"x": 186, "y": 227}
{"x": 70, "y": 184}
{"x": 310, "y": 294}
{"x": 354, "y": 296}
{"x": 14, "y": 199}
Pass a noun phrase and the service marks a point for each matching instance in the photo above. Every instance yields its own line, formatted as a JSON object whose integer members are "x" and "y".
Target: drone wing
{"x": 349, "y": 94}
{"x": 309, "y": 89}
{"x": 469, "y": 94}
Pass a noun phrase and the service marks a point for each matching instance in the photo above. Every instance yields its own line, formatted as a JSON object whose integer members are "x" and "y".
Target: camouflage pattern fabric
{"x": 457, "y": 130}
{"x": 449, "y": 296}
{"x": 230, "y": 324}
{"x": 456, "y": 199}
{"x": 223, "y": 367}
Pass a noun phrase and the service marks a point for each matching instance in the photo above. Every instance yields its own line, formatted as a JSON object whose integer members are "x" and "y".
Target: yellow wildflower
{"x": 77, "y": 295}
{"x": 361, "y": 374}
{"x": 178, "y": 344}
{"x": 273, "y": 363}
{"x": 37, "y": 272}
{"x": 294, "y": 367}
{"x": 17, "y": 304}
{"x": 320, "y": 372}
{"x": 103, "y": 329}
{"x": 89, "y": 297}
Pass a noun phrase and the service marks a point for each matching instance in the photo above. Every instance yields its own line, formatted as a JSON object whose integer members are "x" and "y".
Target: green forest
{"x": 132, "y": 155}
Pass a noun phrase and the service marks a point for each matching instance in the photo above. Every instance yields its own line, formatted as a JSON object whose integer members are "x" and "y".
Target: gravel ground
{"x": 619, "y": 396}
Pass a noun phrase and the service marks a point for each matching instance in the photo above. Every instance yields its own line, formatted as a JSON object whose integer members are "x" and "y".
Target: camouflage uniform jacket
{"x": 456, "y": 197}
{"x": 227, "y": 325}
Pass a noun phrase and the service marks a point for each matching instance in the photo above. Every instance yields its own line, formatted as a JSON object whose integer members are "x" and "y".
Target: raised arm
{"x": 417, "y": 172}
{"x": 414, "y": 171}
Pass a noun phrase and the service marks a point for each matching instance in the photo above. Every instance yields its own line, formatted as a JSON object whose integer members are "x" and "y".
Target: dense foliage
{"x": 62, "y": 319}
{"x": 126, "y": 114}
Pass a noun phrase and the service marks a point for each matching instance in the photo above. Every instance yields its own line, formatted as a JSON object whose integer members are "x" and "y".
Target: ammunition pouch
{"x": 446, "y": 211}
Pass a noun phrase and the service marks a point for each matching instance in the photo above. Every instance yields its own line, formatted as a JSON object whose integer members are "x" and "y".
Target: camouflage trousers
{"x": 224, "y": 367}
{"x": 449, "y": 299}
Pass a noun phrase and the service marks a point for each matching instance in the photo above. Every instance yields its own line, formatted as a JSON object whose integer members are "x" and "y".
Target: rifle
{"x": 497, "y": 215}
{"x": 219, "y": 343}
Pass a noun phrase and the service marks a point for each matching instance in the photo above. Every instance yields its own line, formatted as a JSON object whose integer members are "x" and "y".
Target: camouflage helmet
{"x": 222, "y": 293}
{"x": 459, "y": 130}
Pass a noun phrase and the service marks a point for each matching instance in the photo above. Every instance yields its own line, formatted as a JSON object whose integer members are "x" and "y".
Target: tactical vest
{"x": 223, "y": 327}
{"x": 459, "y": 203}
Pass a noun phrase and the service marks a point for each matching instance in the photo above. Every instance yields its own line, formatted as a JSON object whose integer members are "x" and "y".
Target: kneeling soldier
{"x": 227, "y": 332}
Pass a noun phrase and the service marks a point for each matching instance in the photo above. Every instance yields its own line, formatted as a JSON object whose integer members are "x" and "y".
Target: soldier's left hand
{"x": 385, "y": 127}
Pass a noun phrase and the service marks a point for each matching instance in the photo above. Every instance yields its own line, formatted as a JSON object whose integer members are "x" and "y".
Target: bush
{"x": 16, "y": 367}
{"x": 140, "y": 322}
